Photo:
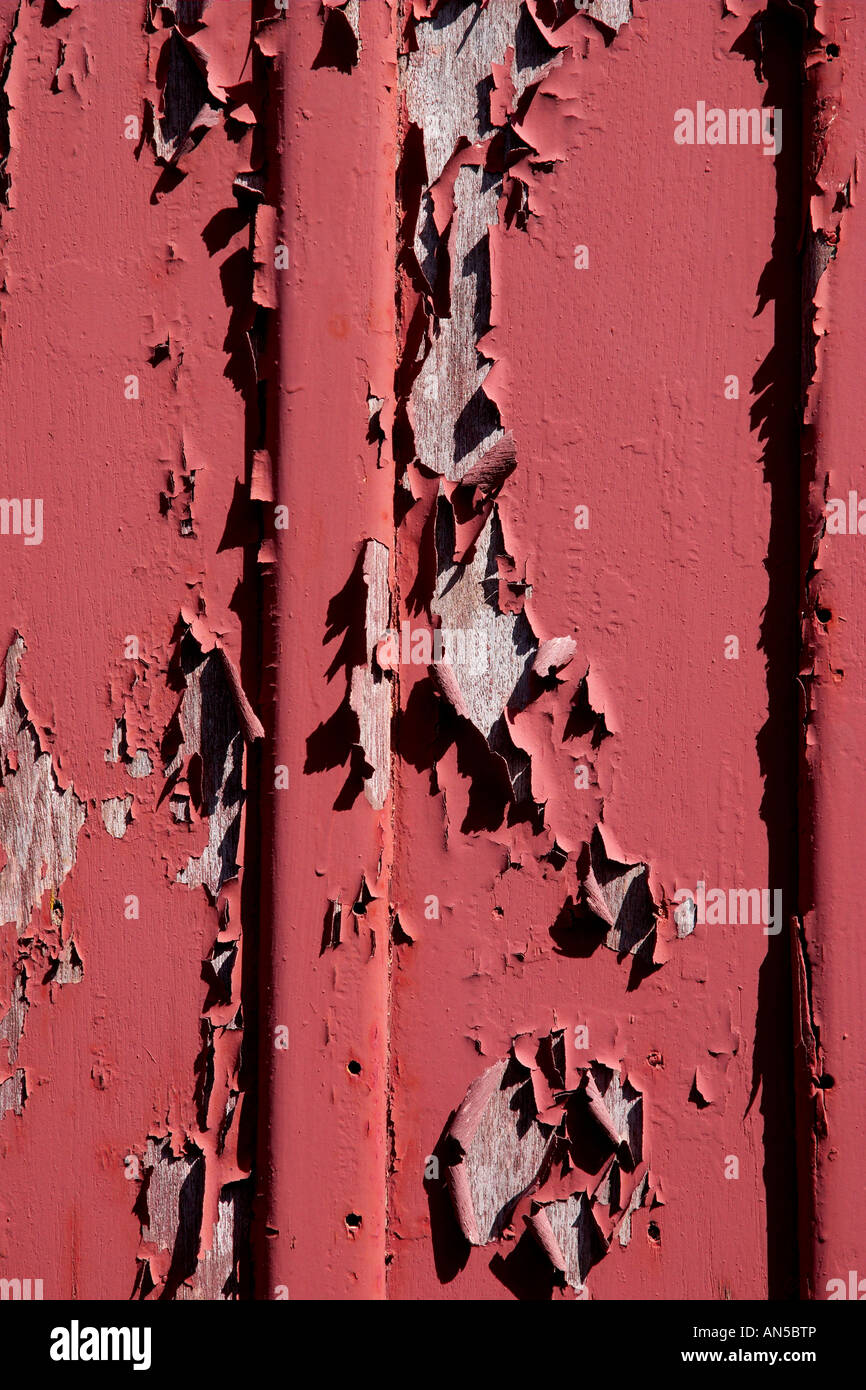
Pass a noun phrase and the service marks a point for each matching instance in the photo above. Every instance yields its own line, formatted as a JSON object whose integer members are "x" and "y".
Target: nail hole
{"x": 353, "y": 1221}
{"x": 832, "y": 50}
{"x": 823, "y": 615}
{"x": 354, "y": 1067}
{"x": 654, "y": 1233}
{"x": 826, "y": 1081}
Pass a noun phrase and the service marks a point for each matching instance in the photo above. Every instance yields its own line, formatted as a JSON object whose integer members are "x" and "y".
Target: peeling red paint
{"x": 130, "y": 348}
{"x": 630, "y": 766}
{"x": 398, "y": 744}
{"x": 828, "y": 970}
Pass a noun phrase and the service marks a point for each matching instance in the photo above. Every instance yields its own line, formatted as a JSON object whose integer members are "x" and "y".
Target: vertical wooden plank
{"x": 129, "y": 642}
{"x": 830, "y": 1034}
{"x": 598, "y": 455}
{"x": 328, "y": 1139}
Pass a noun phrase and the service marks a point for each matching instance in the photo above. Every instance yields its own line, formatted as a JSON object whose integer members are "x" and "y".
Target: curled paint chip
{"x": 39, "y": 821}
{"x": 370, "y": 692}
{"x": 13, "y": 1093}
{"x": 187, "y": 108}
{"x": 12, "y": 1022}
{"x": 262, "y": 477}
{"x": 536, "y": 1122}
{"x": 212, "y": 746}
{"x": 569, "y": 1235}
{"x": 553, "y": 654}
{"x": 501, "y": 1150}
{"x": 619, "y": 896}
{"x": 491, "y": 470}
{"x": 68, "y": 969}
{"x": 617, "y": 1107}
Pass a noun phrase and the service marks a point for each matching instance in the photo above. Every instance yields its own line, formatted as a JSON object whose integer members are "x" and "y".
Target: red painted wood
{"x": 612, "y": 380}
{"x": 402, "y": 284}
{"x": 106, "y": 255}
{"x": 327, "y": 1127}
{"x": 831, "y": 1038}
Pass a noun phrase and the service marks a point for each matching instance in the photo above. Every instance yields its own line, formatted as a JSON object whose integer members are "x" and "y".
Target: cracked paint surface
{"x": 585, "y": 841}
{"x": 551, "y": 1149}
{"x": 551, "y": 794}
{"x": 134, "y": 159}
{"x": 423, "y": 1013}
{"x": 827, "y": 966}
